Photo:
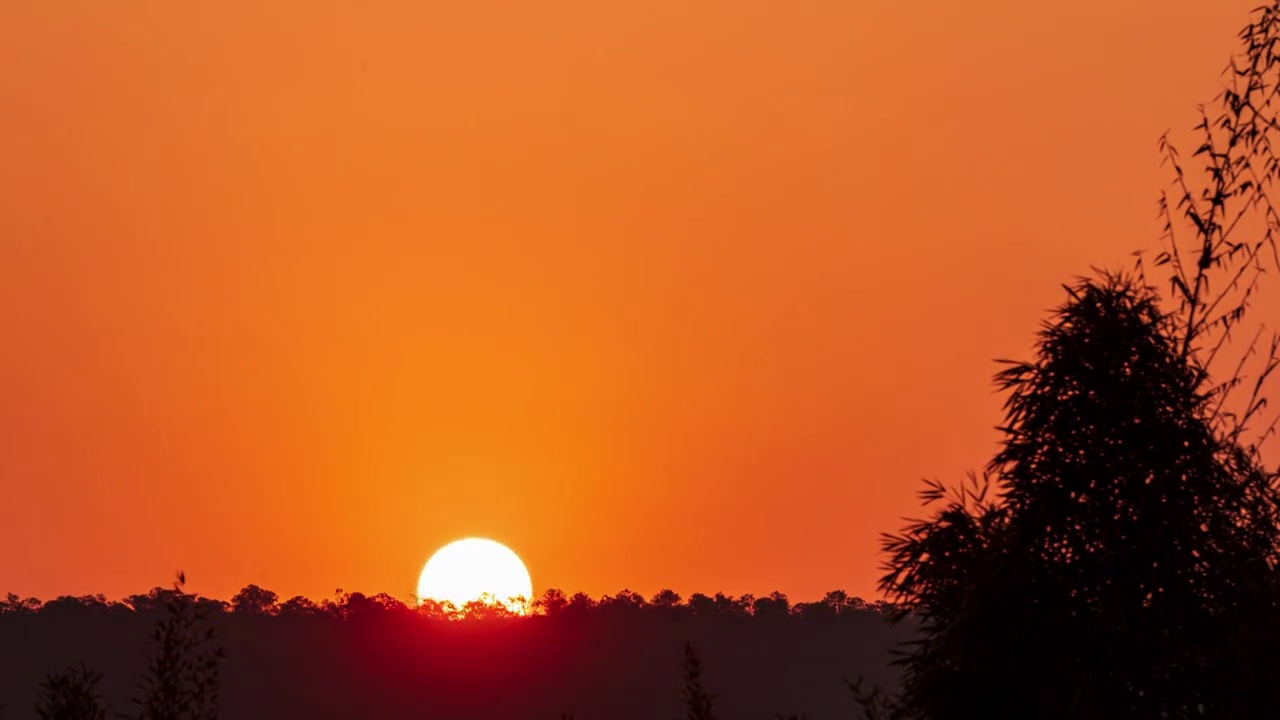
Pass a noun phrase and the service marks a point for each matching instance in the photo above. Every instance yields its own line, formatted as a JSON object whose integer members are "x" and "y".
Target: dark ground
{"x": 601, "y": 665}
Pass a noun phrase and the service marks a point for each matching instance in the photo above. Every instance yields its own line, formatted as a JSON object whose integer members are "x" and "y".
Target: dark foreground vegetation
{"x": 1119, "y": 557}
{"x": 353, "y": 656}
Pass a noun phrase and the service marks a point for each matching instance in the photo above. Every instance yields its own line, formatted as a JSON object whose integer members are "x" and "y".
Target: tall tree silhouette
{"x": 1118, "y": 558}
{"x": 1124, "y": 564}
{"x": 1149, "y": 534}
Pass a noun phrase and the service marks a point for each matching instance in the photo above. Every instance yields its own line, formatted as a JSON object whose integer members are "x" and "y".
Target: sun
{"x": 476, "y": 569}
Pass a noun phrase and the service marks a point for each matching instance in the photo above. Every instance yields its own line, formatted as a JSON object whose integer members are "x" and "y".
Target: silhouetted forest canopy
{"x": 553, "y": 603}
{"x": 356, "y": 655}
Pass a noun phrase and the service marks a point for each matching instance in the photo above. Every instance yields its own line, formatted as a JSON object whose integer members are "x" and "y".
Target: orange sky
{"x": 659, "y": 294}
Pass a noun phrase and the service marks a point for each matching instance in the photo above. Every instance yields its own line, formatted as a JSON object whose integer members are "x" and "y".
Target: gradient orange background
{"x": 660, "y": 294}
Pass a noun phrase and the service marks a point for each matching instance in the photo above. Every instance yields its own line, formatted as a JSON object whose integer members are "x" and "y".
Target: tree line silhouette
{"x": 258, "y": 601}
{"x": 430, "y": 659}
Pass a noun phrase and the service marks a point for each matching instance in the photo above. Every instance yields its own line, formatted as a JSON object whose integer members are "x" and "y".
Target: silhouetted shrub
{"x": 71, "y": 695}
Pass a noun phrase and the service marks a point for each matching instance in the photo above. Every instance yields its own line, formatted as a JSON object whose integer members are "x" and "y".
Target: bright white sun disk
{"x": 475, "y": 569}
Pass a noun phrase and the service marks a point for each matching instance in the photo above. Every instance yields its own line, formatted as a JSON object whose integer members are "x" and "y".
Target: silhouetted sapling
{"x": 71, "y": 695}
{"x": 696, "y": 698}
{"x": 182, "y": 680}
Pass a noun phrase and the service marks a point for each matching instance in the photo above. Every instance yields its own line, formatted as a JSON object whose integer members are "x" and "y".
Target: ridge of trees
{"x": 181, "y": 677}
{"x": 255, "y": 600}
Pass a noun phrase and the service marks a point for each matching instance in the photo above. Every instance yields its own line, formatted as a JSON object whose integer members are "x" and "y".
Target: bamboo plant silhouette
{"x": 1127, "y": 525}
{"x": 1225, "y": 248}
